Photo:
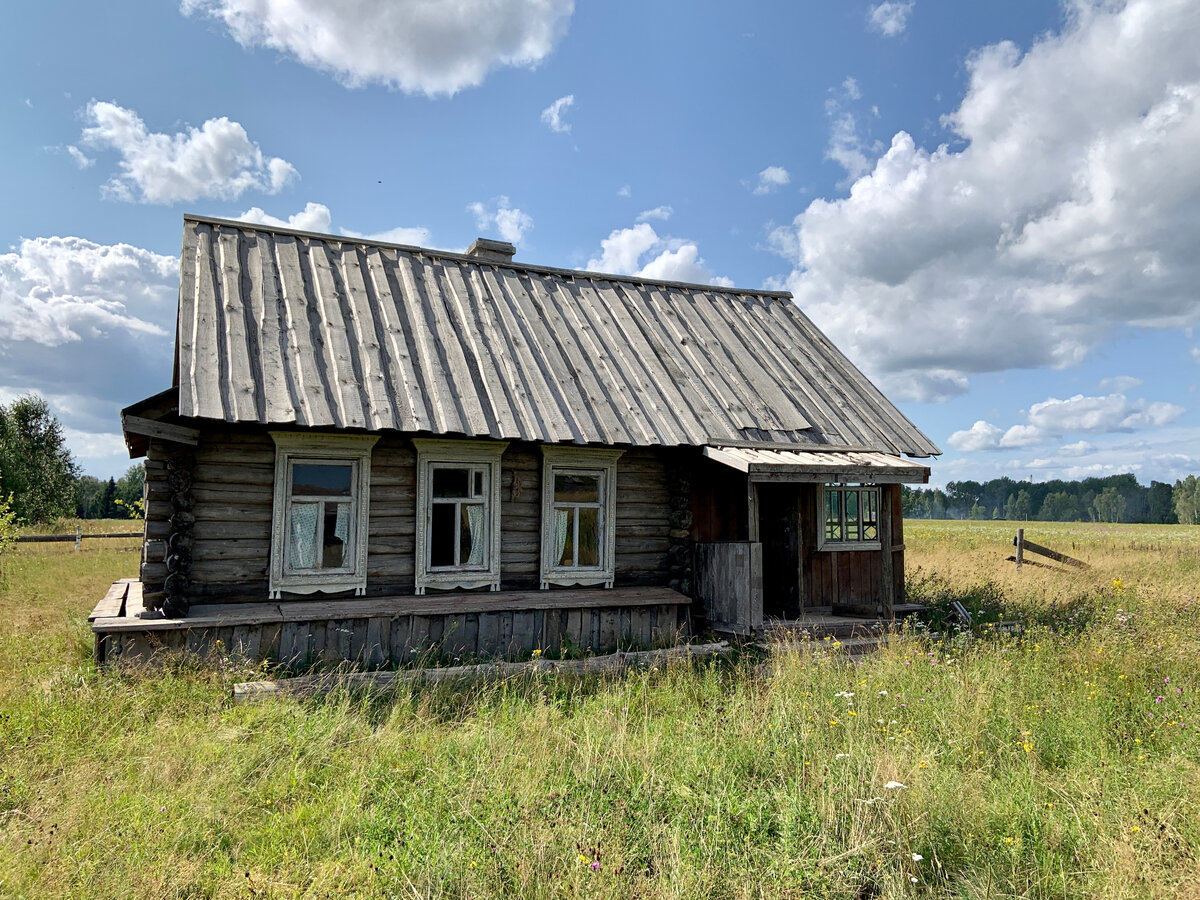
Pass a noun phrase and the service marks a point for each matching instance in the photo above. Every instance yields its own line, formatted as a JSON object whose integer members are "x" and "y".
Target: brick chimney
{"x": 492, "y": 251}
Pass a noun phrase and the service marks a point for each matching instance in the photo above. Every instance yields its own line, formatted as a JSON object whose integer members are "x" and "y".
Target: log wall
{"x": 233, "y": 483}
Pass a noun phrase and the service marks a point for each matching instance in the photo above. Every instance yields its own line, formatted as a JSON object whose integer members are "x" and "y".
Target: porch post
{"x": 887, "y": 593}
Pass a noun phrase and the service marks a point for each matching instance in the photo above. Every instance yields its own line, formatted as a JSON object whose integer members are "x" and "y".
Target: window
{"x": 319, "y": 524}
{"x": 458, "y": 514}
{"x": 578, "y": 515}
{"x": 851, "y": 518}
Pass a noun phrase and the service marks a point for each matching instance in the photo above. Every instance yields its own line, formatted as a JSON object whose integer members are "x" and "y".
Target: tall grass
{"x": 1058, "y": 762}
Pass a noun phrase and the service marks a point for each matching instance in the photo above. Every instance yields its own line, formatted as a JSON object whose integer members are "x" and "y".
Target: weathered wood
{"x": 112, "y": 603}
{"x": 66, "y": 538}
{"x": 1022, "y": 544}
{"x": 164, "y": 431}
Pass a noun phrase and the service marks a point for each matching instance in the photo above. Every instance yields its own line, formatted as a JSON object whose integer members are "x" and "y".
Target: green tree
{"x": 1186, "y": 495}
{"x": 36, "y": 468}
{"x": 1059, "y": 507}
{"x": 1109, "y": 506}
{"x": 1161, "y": 504}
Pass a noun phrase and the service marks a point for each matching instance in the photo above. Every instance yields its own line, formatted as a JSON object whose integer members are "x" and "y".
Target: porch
{"x": 396, "y": 630}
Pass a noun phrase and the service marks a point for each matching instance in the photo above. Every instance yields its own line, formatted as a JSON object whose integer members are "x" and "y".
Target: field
{"x": 1060, "y": 762}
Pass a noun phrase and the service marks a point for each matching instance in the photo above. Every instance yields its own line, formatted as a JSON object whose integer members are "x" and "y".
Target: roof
{"x": 819, "y": 465}
{"x": 278, "y": 326}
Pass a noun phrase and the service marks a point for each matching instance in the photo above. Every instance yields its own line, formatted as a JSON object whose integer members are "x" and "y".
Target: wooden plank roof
{"x": 819, "y": 465}
{"x": 278, "y": 326}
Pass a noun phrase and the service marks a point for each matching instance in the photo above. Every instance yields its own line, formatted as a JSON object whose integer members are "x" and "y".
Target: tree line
{"x": 40, "y": 480}
{"x": 1114, "y": 498}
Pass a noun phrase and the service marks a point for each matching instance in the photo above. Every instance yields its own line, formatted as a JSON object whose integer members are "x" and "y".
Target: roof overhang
{"x": 819, "y": 466}
{"x": 154, "y": 417}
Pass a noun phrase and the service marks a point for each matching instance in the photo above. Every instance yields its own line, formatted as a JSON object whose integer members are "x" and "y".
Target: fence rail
{"x": 77, "y": 537}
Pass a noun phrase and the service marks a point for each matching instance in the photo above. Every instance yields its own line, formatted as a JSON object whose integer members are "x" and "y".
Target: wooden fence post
{"x": 78, "y": 537}
{"x": 1020, "y": 546}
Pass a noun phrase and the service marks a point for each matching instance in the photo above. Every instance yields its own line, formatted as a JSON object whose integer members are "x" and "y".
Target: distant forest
{"x": 1117, "y": 498}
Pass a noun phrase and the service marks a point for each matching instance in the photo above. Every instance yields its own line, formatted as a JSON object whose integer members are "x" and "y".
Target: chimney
{"x": 492, "y": 251}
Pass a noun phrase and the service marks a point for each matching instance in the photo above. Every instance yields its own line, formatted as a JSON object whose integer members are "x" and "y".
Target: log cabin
{"x": 376, "y": 452}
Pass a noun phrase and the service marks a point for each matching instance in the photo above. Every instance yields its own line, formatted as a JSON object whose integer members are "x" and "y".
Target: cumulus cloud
{"x": 217, "y": 159}
{"x": 1039, "y": 234}
{"x": 317, "y": 217}
{"x": 771, "y": 179}
{"x": 1119, "y": 384}
{"x": 1051, "y": 419}
{"x": 412, "y": 45}
{"x": 640, "y": 251}
{"x": 890, "y": 18}
{"x": 509, "y": 222}
{"x": 552, "y": 114}
{"x": 81, "y": 159}
{"x": 89, "y": 327}
{"x": 659, "y": 212}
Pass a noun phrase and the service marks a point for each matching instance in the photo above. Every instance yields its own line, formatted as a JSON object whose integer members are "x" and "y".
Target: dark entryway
{"x": 779, "y": 532}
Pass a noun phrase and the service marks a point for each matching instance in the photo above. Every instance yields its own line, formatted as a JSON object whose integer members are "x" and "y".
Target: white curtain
{"x": 561, "y": 517}
{"x": 342, "y": 530}
{"x": 475, "y": 525}
{"x": 303, "y": 549}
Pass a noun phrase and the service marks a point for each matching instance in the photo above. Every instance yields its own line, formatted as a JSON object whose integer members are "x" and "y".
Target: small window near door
{"x": 851, "y": 517}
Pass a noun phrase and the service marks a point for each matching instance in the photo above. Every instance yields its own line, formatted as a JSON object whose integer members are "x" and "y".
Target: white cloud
{"x": 89, "y": 327}
{"x": 417, "y": 46}
{"x": 1043, "y": 233}
{"x": 1119, "y": 384}
{"x": 659, "y": 212}
{"x": 1049, "y": 420}
{"x": 217, "y": 159}
{"x": 81, "y": 159}
{"x": 624, "y": 191}
{"x": 317, "y": 217}
{"x": 771, "y": 179}
{"x": 552, "y": 114}
{"x": 851, "y": 89}
{"x": 980, "y": 436}
{"x": 890, "y": 18}
{"x": 671, "y": 259}
{"x": 314, "y": 217}
{"x": 510, "y": 223}
{"x": 846, "y": 147}
{"x": 1079, "y": 448}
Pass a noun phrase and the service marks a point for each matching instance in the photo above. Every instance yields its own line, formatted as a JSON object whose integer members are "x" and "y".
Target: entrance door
{"x": 779, "y": 532}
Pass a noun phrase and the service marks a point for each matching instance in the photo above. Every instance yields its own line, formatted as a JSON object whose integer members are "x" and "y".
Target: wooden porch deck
{"x": 378, "y": 631}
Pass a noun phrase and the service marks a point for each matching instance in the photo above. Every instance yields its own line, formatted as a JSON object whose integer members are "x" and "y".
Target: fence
{"x": 77, "y": 537}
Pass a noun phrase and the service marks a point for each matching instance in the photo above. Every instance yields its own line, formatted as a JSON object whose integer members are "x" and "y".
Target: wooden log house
{"x": 376, "y": 452}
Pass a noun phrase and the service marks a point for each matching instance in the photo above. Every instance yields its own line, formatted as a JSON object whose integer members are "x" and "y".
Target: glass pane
{"x": 589, "y": 537}
{"x": 833, "y": 516}
{"x": 576, "y": 488}
{"x": 870, "y": 515}
{"x": 321, "y": 481}
{"x": 852, "y": 520}
{"x": 450, "y": 483}
{"x": 564, "y": 536}
{"x": 470, "y": 529}
{"x": 333, "y": 551}
{"x": 302, "y": 541}
{"x": 478, "y": 492}
{"x": 441, "y": 535}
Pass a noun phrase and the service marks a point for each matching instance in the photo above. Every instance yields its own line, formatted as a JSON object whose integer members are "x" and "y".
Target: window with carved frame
{"x": 579, "y": 490}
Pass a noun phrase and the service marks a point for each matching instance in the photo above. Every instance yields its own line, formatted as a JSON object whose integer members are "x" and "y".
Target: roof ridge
{"x": 474, "y": 260}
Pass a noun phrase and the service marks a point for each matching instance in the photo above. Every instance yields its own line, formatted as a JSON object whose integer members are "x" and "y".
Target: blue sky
{"x": 990, "y": 207}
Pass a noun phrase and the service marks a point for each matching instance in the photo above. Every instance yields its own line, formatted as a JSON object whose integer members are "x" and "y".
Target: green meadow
{"x": 1062, "y": 760}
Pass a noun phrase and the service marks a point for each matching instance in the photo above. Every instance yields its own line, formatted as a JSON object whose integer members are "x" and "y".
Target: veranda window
{"x": 851, "y": 513}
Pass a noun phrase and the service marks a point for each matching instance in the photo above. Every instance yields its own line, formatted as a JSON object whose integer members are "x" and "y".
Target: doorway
{"x": 779, "y": 533}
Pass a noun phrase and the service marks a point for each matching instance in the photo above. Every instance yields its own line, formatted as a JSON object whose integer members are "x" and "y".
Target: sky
{"x": 992, "y": 209}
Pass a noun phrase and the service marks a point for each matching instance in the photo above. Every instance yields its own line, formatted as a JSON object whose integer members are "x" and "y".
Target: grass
{"x": 1060, "y": 762}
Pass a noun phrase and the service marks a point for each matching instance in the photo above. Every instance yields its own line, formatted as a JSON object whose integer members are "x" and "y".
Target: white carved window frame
{"x": 869, "y": 498}
{"x": 293, "y": 447}
{"x": 580, "y": 460}
{"x": 433, "y": 453}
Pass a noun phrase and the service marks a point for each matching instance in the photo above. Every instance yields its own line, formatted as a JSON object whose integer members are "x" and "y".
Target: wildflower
{"x": 841, "y": 756}
{"x": 833, "y": 722}
{"x": 595, "y": 866}
{"x": 1008, "y": 840}
{"x": 917, "y": 857}
{"x": 846, "y": 694}
{"x": 1135, "y": 828}
{"x": 893, "y": 785}
{"x": 583, "y": 858}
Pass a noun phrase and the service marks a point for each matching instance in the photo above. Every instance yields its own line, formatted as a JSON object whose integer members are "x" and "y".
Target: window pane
{"x": 302, "y": 541}
{"x": 337, "y": 532}
{"x": 564, "y": 536}
{"x": 450, "y": 483}
{"x": 833, "y": 516}
{"x": 478, "y": 491}
{"x": 441, "y": 535}
{"x": 471, "y": 538}
{"x": 870, "y": 515}
{"x": 321, "y": 481}
{"x": 575, "y": 488}
{"x": 852, "y": 519}
{"x": 589, "y": 537}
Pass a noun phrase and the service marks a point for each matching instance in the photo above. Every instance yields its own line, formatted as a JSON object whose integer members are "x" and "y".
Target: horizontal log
{"x": 1052, "y": 554}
